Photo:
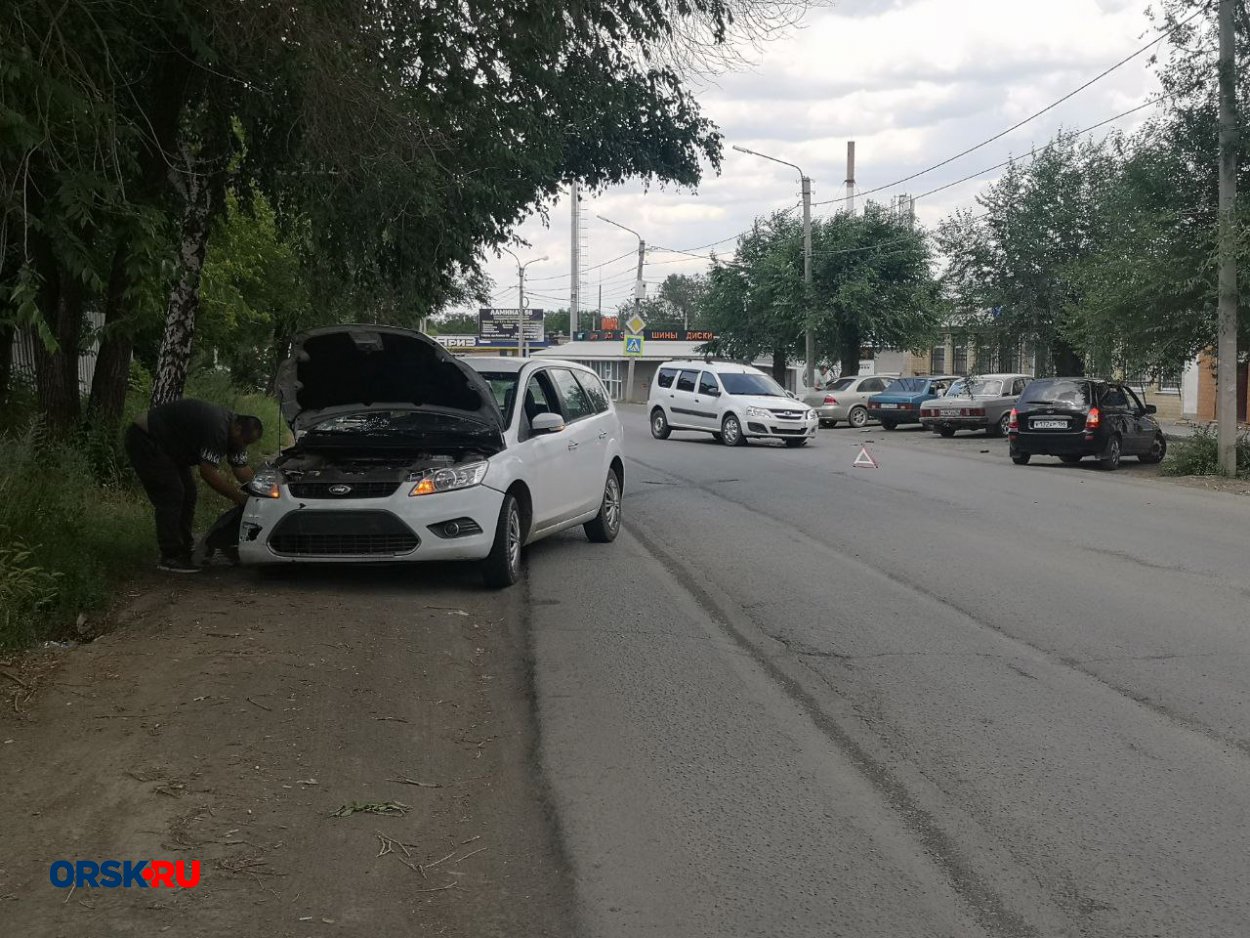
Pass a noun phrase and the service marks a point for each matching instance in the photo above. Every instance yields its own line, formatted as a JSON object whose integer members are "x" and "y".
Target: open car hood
{"x": 351, "y": 368}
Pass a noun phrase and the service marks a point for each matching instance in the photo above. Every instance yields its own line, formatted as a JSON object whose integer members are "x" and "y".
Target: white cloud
{"x": 911, "y": 81}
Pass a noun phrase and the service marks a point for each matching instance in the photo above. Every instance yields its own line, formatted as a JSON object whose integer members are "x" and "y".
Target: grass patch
{"x": 1199, "y": 455}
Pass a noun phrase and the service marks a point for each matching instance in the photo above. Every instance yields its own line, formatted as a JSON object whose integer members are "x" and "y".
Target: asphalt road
{"x": 949, "y": 696}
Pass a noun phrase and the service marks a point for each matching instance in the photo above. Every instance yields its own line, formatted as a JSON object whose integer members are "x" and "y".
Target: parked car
{"x": 901, "y": 402}
{"x": 980, "y": 402}
{"x": 405, "y": 453}
{"x": 1076, "y": 417}
{"x": 847, "y": 399}
{"x": 734, "y": 403}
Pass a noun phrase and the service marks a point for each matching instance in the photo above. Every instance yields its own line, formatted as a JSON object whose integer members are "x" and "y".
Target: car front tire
{"x": 659, "y": 425}
{"x": 607, "y": 524}
{"x": 731, "y": 431}
{"x": 795, "y": 444}
{"x": 502, "y": 567}
{"x": 1158, "y": 450}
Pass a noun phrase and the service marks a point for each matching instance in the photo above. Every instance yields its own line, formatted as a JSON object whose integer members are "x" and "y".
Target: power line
{"x": 1050, "y": 107}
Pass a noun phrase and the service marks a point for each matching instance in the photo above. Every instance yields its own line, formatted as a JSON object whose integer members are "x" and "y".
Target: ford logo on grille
{"x": 340, "y": 489}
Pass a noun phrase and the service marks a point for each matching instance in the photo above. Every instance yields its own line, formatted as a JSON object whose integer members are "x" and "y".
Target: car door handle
{"x": 572, "y": 446}
{"x": 603, "y": 435}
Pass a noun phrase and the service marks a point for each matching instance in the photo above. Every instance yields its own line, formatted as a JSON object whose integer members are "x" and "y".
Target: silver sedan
{"x": 847, "y": 399}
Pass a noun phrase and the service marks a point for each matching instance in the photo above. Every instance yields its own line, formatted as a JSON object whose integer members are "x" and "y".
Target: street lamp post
{"x": 642, "y": 250}
{"x": 520, "y": 316}
{"x": 809, "y": 342}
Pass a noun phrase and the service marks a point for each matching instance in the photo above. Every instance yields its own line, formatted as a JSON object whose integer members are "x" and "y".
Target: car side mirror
{"x": 712, "y": 392}
{"x": 791, "y": 395}
{"x": 1151, "y": 409}
{"x": 547, "y": 423}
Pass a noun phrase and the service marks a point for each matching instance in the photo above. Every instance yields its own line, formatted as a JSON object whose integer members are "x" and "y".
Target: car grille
{"x": 342, "y": 534}
{"x": 374, "y": 489}
{"x": 788, "y": 414}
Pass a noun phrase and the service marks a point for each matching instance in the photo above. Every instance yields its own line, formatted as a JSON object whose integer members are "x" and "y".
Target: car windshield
{"x": 399, "y": 429}
{"x": 1061, "y": 391}
{"x": 910, "y": 386}
{"x": 753, "y": 384}
{"x": 503, "y": 387}
{"x": 976, "y": 387}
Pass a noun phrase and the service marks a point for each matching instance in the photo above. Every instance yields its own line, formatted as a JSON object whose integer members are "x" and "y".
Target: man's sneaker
{"x": 177, "y": 565}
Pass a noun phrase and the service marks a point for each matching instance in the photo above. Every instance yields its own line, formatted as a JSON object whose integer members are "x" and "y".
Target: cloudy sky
{"x": 912, "y": 82}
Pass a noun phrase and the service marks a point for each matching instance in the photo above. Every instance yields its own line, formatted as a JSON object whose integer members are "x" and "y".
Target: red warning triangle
{"x": 864, "y": 460}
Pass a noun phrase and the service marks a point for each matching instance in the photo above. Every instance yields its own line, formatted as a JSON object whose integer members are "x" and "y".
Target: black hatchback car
{"x": 1076, "y": 417}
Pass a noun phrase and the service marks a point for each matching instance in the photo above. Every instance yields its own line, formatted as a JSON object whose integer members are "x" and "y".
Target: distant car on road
{"x": 979, "y": 402}
{"x": 847, "y": 399}
{"x": 1076, "y": 417}
{"x": 901, "y": 402}
{"x": 732, "y": 402}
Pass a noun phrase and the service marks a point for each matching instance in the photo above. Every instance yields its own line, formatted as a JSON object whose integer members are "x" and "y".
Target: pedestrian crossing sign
{"x": 633, "y": 345}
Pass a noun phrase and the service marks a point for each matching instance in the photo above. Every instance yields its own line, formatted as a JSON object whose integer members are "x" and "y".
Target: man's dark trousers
{"x": 170, "y": 488}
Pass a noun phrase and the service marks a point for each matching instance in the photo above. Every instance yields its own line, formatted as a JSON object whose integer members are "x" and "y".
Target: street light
{"x": 809, "y": 338}
{"x": 520, "y": 316}
{"x": 642, "y": 250}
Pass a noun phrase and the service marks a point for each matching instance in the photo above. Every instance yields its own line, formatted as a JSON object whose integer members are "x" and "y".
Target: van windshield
{"x": 750, "y": 384}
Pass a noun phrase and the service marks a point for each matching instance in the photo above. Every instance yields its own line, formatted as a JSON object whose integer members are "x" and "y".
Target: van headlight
{"x": 448, "y": 480}
{"x": 758, "y": 412}
{"x": 266, "y": 483}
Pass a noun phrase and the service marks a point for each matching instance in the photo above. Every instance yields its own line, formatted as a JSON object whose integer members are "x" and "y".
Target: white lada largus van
{"x": 734, "y": 403}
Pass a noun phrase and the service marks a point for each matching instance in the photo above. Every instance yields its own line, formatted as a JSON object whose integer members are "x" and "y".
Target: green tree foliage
{"x": 871, "y": 285}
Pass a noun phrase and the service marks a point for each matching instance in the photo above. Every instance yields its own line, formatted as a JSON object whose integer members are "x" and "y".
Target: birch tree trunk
{"x": 184, "y": 296}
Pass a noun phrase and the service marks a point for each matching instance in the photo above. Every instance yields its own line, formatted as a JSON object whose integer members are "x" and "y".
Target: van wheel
{"x": 1110, "y": 459}
{"x": 1158, "y": 449}
{"x": 502, "y": 567}
{"x": 731, "y": 431}
{"x": 659, "y": 425}
{"x": 607, "y": 524}
{"x": 857, "y": 417}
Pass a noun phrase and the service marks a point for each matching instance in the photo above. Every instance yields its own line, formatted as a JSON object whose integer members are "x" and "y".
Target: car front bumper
{"x": 780, "y": 429}
{"x": 396, "y": 529}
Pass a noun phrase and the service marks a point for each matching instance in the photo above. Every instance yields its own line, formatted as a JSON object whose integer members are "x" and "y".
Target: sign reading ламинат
{"x": 494, "y": 325}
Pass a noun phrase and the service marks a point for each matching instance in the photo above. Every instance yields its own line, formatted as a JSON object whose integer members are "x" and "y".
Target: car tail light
{"x": 1093, "y": 420}
{"x": 830, "y": 399}
{"x": 1013, "y": 422}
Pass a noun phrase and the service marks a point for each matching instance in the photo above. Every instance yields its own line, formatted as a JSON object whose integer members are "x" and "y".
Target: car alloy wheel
{"x": 1004, "y": 423}
{"x": 514, "y": 540}
{"x": 502, "y": 567}
{"x": 1111, "y": 457}
{"x": 857, "y": 417}
{"x": 1158, "y": 449}
{"x": 604, "y": 527}
{"x": 659, "y": 425}
{"x": 731, "y": 431}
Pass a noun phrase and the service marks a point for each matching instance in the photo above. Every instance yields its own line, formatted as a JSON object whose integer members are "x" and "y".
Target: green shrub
{"x": 1199, "y": 455}
{"x": 65, "y": 539}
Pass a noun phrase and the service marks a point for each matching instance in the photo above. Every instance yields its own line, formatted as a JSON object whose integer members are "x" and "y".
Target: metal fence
{"x": 25, "y": 344}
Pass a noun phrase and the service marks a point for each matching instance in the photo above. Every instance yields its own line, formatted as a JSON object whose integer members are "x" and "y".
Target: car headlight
{"x": 758, "y": 412}
{"x": 266, "y": 483}
{"x": 448, "y": 480}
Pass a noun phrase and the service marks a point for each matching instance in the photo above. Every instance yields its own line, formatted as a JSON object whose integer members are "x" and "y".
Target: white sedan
{"x": 405, "y": 453}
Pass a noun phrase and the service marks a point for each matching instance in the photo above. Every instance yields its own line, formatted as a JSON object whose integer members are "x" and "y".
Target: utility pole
{"x": 575, "y": 274}
{"x": 850, "y": 176}
{"x": 1226, "y": 376}
{"x": 520, "y": 313}
{"x": 642, "y": 253}
{"x": 809, "y": 337}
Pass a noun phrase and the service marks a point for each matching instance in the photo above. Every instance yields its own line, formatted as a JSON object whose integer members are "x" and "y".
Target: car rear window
{"x": 911, "y": 385}
{"x": 841, "y": 384}
{"x": 1060, "y": 391}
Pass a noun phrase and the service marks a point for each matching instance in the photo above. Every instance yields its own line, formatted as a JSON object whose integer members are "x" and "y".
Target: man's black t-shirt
{"x": 194, "y": 432}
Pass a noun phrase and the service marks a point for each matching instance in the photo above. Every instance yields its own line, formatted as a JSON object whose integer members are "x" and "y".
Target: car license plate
{"x": 1049, "y": 424}
{"x": 888, "y": 406}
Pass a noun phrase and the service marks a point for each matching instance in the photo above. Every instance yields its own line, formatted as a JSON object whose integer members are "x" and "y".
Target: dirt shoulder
{"x": 226, "y": 720}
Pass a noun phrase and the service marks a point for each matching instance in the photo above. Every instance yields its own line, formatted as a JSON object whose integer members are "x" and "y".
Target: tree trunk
{"x": 7, "y": 334}
{"x": 1065, "y": 358}
{"x": 779, "y": 366}
{"x": 56, "y": 369}
{"x": 184, "y": 297}
{"x": 112, "y": 367}
{"x": 848, "y": 351}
